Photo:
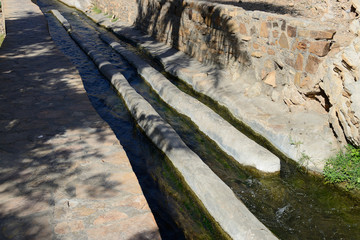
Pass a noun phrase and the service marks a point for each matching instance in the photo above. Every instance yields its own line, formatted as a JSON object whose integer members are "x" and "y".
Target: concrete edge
{"x": 219, "y": 200}
{"x": 61, "y": 19}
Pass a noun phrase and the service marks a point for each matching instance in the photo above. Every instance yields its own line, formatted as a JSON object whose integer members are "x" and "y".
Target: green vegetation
{"x": 344, "y": 168}
{"x": 96, "y": 10}
{"x": 114, "y": 19}
{"x": 304, "y": 161}
{"x": 2, "y": 37}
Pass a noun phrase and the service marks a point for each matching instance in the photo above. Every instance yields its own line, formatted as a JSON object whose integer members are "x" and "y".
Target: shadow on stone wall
{"x": 155, "y": 15}
{"x": 159, "y": 18}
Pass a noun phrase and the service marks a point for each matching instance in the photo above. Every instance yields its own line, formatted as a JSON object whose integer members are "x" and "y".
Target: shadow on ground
{"x": 45, "y": 118}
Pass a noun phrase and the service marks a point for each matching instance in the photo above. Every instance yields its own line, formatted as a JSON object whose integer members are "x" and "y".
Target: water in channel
{"x": 293, "y": 205}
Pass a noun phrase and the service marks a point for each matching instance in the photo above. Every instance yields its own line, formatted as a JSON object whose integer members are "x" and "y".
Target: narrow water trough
{"x": 293, "y": 205}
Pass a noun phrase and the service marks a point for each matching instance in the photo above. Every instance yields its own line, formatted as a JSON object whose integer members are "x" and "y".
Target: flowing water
{"x": 293, "y": 205}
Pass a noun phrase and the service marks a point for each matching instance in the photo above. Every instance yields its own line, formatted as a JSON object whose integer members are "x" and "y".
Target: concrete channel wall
{"x": 228, "y": 138}
{"x": 218, "y": 199}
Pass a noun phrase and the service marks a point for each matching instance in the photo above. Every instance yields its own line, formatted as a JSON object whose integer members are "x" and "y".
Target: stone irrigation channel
{"x": 218, "y": 177}
{"x": 217, "y": 197}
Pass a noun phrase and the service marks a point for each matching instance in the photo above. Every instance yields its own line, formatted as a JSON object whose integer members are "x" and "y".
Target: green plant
{"x": 344, "y": 168}
{"x": 295, "y": 143}
{"x": 304, "y": 160}
{"x": 114, "y": 19}
{"x": 2, "y": 37}
{"x": 96, "y": 10}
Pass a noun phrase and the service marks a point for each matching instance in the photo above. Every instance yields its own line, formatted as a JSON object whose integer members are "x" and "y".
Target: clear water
{"x": 293, "y": 205}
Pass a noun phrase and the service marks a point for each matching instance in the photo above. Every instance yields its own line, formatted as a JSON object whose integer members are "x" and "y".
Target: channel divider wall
{"x": 228, "y": 138}
{"x": 218, "y": 199}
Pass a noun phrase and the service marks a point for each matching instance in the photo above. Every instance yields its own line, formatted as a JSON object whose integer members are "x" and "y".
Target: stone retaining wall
{"x": 289, "y": 59}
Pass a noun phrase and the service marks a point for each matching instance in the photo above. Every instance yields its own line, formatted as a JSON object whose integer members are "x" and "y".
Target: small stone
{"x": 283, "y": 24}
{"x": 283, "y": 42}
{"x": 271, "y": 51}
{"x": 304, "y": 33}
{"x": 302, "y": 45}
{"x": 264, "y": 32}
{"x": 269, "y": 64}
{"x": 291, "y": 31}
{"x": 253, "y": 31}
{"x": 325, "y": 35}
{"x": 297, "y": 79}
{"x": 245, "y": 38}
{"x": 305, "y": 83}
{"x": 275, "y": 33}
{"x": 312, "y": 64}
{"x": 242, "y": 29}
{"x": 320, "y": 48}
{"x": 270, "y": 79}
{"x": 257, "y": 54}
{"x": 299, "y": 62}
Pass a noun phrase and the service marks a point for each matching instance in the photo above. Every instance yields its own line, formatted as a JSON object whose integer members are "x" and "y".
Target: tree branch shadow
{"x": 44, "y": 118}
{"x": 170, "y": 13}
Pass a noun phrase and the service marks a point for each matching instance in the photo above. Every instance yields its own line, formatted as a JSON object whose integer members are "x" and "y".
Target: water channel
{"x": 293, "y": 205}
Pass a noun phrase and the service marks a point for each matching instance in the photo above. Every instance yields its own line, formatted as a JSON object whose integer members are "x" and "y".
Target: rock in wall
{"x": 341, "y": 84}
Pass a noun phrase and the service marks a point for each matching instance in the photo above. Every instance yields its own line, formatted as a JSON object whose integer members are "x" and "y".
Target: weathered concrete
{"x": 217, "y": 197}
{"x": 228, "y": 138}
{"x": 63, "y": 173}
{"x": 61, "y": 19}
